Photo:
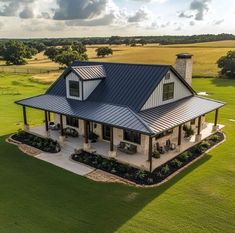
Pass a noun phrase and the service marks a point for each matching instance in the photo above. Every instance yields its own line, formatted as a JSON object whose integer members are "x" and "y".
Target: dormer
{"x": 81, "y": 81}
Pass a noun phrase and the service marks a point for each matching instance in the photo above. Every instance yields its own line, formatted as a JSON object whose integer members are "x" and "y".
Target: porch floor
{"x": 102, "y": 148}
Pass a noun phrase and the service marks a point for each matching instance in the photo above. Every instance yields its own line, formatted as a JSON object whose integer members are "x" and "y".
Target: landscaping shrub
{"x": 214, "y": 138}
{"x": 176, "y": 163}
{"x": 140, "y": 176}
{"x": 165, "y": 170}
{"x": 156, "y": 155}
{"x": 44, "y": 144}
{"x": 184, "y": 157}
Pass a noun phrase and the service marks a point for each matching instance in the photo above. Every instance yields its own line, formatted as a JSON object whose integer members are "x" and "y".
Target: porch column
{"x": 199, "y": 136}
{"x": 46, "y": 122}
{"x": 87, "y": 145}
{"x": 112, "y": 152}
{"x": 150, "y": 153}
{"x": 26, "y": 126}
{"x": 216, "y": 127}
{"x": 49, "y": 116}
{"x": 179, "y": 138}
{"x": 61, "y": 138}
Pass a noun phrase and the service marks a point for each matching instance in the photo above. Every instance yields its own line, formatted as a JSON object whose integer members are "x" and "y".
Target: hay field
{"x": 205, "y": 57}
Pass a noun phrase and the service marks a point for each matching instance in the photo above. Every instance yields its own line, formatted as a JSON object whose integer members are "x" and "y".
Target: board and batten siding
{"x": 156, "y": 98}
{"x": 89, "y": 87}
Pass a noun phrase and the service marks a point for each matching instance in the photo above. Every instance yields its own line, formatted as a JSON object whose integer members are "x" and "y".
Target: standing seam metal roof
{"x": 168, "y": 116}
{"x": 119, "y": 116}
{"x": 125, "y": 84}
{"x": 89, "y": 72}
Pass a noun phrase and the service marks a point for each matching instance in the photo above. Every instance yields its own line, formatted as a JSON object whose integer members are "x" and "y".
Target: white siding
{"x": 73, "y": 77}
{"x": 156, "y": 99}
{"x": 85, "y": 90}
{"x": 89, "y": 87}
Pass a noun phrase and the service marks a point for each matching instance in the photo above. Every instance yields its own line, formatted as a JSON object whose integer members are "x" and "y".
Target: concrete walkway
{"x": 63, "y": 160}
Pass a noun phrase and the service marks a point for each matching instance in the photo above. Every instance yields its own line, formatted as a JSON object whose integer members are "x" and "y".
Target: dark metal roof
{"x": 118, "y": 99}
{"x": 125, "y": 84}
{"x": 118, "y": 116}
{"x": 168, "y": 116}
{"x": 89, "y": 72}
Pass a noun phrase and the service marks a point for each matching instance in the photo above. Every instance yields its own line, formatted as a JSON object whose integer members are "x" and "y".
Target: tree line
{"x": 117, "y": 40}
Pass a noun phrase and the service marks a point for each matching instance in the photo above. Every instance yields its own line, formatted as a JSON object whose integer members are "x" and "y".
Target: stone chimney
{"x": 184, "y": 66}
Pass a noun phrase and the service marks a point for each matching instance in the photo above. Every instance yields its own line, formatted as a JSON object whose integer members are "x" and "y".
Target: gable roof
{"x": 91, "y": 72}
{"x": 125, "y": 84}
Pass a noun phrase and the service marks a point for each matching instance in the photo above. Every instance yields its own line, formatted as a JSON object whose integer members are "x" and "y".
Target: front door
{"x": 106, "y": 132}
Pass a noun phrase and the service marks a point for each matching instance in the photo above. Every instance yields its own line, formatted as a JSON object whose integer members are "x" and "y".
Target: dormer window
{"x": 74, "y": 88}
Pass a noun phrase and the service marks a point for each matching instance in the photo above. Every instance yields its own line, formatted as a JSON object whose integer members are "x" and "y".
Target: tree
{"x": 227, "y": 65}
{"x": 67, "y": 57}
{"x": 67, "y": 54}
{"x": 16, "y": 52}
{"x": 79, "y": 47}
{"x": 104, "y": 51}
{"x": 52, "y": 52}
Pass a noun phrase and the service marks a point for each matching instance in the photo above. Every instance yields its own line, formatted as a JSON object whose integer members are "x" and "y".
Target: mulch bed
{"x": 141, "y": 177}
{"x": 43, "y": 144}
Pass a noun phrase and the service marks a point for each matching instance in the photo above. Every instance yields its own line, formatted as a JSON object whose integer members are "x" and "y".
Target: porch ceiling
{"x": 168, "y": 116}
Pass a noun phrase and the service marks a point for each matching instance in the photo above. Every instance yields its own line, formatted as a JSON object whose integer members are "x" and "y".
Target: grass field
{"x": 205, "y": 57}
{"x": 37, "y": 197}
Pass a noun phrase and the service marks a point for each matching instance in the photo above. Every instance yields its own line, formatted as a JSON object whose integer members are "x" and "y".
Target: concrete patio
{"x": 101, "y": 147}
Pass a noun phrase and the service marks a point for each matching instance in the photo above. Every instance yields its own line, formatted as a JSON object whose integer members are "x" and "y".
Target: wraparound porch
{"x": 139, "y": 160}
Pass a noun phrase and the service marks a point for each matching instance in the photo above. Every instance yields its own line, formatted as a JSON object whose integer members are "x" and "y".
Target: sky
{"x": 89, "y": 18}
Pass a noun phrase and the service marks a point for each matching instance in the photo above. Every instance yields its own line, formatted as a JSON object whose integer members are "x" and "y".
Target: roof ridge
{"x": 141, "y": 120}
{"x": 122, "y": 63}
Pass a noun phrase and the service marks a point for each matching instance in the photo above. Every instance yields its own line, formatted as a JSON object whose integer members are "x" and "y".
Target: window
{"x": 74, "y": 89}
{"x": 168, "y": 91}
{"x": 72, "y": 121}
{"x": 106, "y": 132}
{"x": 132, "y": 136}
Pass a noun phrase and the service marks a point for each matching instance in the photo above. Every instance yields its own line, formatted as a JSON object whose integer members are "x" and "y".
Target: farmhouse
{"x": 132, "y": 112}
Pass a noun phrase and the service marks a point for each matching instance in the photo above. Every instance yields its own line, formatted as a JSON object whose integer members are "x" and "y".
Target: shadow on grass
{"x": 223, "y": 82}
{"x": 54, "y": 200}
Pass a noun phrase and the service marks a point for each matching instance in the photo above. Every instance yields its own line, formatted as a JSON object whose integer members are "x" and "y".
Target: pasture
{"x": 205, "y": 57}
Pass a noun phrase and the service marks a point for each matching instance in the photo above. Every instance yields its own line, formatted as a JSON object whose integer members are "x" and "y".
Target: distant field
{"x": 205, "y": 57}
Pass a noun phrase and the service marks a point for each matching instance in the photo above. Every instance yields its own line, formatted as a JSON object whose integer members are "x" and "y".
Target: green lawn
{"x": 37, "y": 197}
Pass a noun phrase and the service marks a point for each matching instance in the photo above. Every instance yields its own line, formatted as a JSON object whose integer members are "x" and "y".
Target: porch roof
{"x": 151, "y": 121}
{"x": 168, "y": 116}
{"x": 113, "y": 115}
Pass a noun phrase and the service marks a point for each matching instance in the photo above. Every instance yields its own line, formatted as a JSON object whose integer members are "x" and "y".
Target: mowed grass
{"x": 37, "y": 197}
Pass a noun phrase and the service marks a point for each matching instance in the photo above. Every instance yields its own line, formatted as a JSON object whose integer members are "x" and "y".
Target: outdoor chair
{"x": 127, "y": 148}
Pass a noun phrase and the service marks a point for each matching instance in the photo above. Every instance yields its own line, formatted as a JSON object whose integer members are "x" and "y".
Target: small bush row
{"x": 44, "y": 144}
